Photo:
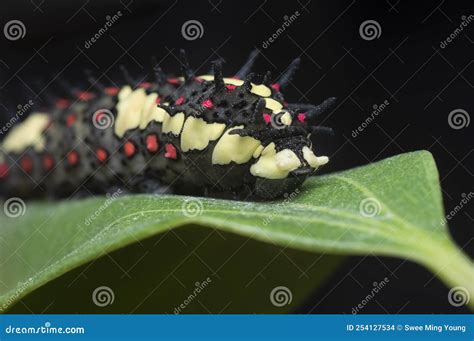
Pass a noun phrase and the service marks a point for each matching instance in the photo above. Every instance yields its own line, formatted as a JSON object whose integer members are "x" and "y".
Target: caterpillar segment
{"x": 204, "y": 135}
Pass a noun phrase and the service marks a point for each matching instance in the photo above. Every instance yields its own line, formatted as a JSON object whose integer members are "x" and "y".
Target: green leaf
{"x": 392, "y": 207}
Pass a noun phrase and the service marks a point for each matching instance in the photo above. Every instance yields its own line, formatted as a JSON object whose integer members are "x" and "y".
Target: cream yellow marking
{"x": 286, "y": 119}
{"x": 257, "y": 151}
{"x": 232, "y": 81}
{"x": 261, "y": 90}
{"x": 129, "y": 109}
{"x": 234, "y": 148}
{"x": 313, "y": 160}
{"x": 151, "y": 112}
{"x": 273, "y": 105}
{"x": 124, "y": 92}
{"x": 197, "y": 133}
{"x": 136, "y": 109}
{"x": 29, "y": 133}
{"x": 273, "y": 165}
{"x": 174, "y": 124}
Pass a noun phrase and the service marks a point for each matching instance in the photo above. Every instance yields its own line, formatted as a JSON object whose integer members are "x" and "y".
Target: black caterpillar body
{"x": 204, "y": 135}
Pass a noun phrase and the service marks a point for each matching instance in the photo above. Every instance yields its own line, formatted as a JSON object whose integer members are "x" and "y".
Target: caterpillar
{"x": 201, "y": 135}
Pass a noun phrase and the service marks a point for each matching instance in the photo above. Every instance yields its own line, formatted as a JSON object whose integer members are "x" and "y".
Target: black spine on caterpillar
{"x": 210, "y": 135}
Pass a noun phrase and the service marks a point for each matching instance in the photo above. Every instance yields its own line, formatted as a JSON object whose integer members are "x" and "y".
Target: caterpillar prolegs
{"x": 202, "y": 135}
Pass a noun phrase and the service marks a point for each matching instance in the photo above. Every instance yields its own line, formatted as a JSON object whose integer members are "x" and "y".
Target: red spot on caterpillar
{"x": 152, "y": 143}
{"x": 275, "y": 87}
{"x": 101, "y": 154}
{"x": 72, "y": 158}
{"x": 267, "y": 117}
{"x": 199, "y": 80}
{"x": 170, "y": 151}
{"x": 174, "y": 81}
{"x": 85, "y": 96}
{"x": 48, "y": 162}
{"x": 62, "y": 103}
{"x": 112, "y": 90}
{"x": 301, "y": 117}
{"x": 235, "y": 77}
{"x": 145, "y": 85}
{"x": 26, "y": 164}
{"x": 230, "y": 87}
{"x": 129, "y": 149}
{"x": 179, "y": 100}
{"x": 158, "y": 100}
{"x": 71, "y": 119}
{"x": 3, "y": 170}
{"x": 207, "y": 103}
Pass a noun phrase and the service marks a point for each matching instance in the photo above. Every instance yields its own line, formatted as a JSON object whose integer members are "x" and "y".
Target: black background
{"x": 406, "y": 66}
